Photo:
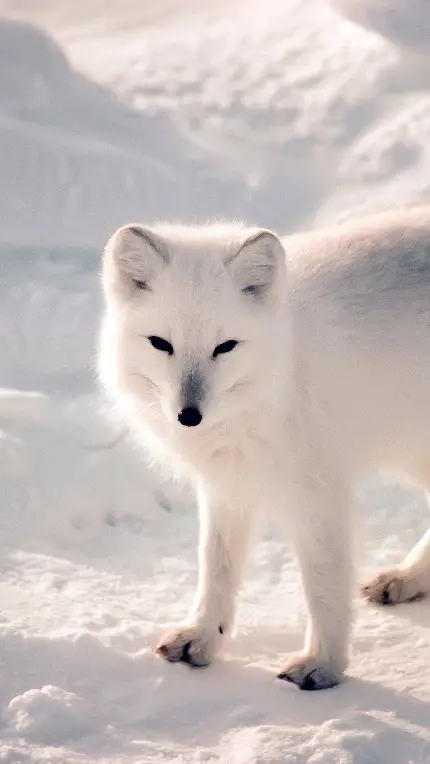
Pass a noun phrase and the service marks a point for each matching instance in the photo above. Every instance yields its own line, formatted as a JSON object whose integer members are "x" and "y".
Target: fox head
{"x": 193, "y": 321}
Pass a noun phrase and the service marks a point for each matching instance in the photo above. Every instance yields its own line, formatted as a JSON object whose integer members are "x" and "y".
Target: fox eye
{"x": 225, "y": 347}
{"x": 159, "y": 344}
{"x": 251, "y": 289}
{"x": 140, "y": 284}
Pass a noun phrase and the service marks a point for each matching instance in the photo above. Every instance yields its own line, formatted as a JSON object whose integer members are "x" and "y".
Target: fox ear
{"x": 133, "y": 256}
{"x": 257, "y": 264}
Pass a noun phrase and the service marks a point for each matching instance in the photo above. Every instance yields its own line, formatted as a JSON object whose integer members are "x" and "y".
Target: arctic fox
{"x": 274, "y": 373}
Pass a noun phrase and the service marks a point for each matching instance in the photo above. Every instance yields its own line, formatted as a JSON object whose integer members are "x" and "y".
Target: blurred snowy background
{"x": 285, "y": 113}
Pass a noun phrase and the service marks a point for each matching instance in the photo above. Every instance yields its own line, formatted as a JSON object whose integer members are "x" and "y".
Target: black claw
{"x": 220, "y": 629}
{"x": 416, "y": 597}
{"x": 308, "y": 682}
{"x": 286, "y": 677}
{"x": 186, "y": 657}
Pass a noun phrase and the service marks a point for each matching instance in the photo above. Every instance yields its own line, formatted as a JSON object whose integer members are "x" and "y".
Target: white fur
{"x": 331, "y": 379}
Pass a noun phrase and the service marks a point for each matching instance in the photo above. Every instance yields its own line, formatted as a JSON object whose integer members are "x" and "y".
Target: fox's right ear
{"x": 132, "y": 257}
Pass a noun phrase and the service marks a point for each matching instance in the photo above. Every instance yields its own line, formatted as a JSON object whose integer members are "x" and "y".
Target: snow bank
{"x": 192, "y": 111}
{"x": 407, "y": 25}
{"x": 18, "y": 405}
{"x": 76, "y": 161}
{"x": 49, "y": 715}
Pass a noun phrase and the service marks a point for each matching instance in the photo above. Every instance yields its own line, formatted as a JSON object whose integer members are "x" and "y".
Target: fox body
{"x": 273, "y": 373}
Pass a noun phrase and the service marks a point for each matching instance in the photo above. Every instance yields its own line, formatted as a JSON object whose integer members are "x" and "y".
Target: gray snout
{"x": 191, "y": 396}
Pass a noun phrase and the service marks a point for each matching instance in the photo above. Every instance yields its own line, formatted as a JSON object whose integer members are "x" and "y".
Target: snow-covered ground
{"x": 286, "y": 113}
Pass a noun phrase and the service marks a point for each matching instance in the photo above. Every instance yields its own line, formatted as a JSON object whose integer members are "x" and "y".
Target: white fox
{"x": 274, "y": 373}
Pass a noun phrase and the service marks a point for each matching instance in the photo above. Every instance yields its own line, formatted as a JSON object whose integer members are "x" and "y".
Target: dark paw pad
{"x": 186, "y": 657}
{"x": 184, "y": 647}
{"x": 316, "y": 679}
{"x": 307, "y": 683}
{"x": 385, "y": 597}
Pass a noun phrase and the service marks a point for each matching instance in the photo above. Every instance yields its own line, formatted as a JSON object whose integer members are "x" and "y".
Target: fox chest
{"x": 250, "y": 469}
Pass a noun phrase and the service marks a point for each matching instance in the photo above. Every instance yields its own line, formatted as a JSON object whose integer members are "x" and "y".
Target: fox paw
{"x": 310, "y": 674}
{"x": 191, "y": 644}
{"x": 392, "y": 586}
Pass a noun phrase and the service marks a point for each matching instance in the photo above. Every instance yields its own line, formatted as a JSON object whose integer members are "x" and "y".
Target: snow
{"x": 286, "y": 114}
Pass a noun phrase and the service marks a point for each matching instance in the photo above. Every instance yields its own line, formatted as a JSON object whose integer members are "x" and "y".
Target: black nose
{"x": 190, "y": 417}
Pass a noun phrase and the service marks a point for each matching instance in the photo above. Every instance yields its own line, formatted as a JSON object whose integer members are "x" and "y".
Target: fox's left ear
{"x": 257, "y": 264}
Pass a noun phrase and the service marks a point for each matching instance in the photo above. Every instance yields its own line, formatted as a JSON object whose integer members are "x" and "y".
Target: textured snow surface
{"x": 282, "y": 112}
{"x": 285, "y": 113}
